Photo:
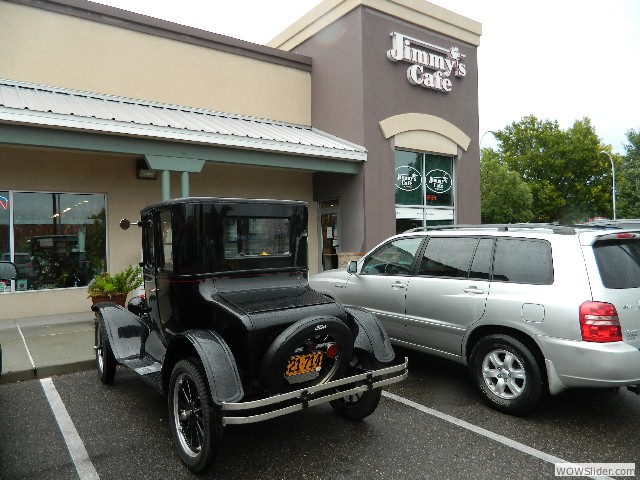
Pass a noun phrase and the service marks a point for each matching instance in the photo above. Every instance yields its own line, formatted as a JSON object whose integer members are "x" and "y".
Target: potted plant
{"x": 114, "y": 288}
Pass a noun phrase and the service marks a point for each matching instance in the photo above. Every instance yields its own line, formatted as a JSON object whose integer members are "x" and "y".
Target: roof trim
{"x": 36, "y": 137}
{"x": 44, "y": 106}
{"x": 117, "y": 17}
{"x": 416, "y": 12}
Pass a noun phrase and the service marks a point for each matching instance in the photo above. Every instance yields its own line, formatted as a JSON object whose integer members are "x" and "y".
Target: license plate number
{"x": 300, "y": 364}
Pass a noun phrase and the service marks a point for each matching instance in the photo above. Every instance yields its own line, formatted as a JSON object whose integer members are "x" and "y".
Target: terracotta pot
{"x": 119, "y": 298}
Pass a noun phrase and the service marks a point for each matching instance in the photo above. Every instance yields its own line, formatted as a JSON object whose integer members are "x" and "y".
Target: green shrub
{"x": 122, "y": 282}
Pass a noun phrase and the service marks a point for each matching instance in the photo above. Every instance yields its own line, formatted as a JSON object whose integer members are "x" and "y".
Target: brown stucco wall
{"x": 355, "y": 87}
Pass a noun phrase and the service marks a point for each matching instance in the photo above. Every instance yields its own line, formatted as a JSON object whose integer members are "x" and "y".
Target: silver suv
{"x": 529, "y": 308}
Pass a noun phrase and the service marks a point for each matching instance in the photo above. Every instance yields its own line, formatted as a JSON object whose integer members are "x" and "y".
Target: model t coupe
{"x": 229, "y": 329}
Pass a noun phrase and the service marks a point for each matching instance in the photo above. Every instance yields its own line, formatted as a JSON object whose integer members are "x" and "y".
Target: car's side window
{"x": 448, "y": 257}
{"x": 165, "y": 261}
{"x": 481, "y": 264}
{"x": 148, "y": 241}
{"x": 394, "y": 258}
{"x": 523, "y": 261}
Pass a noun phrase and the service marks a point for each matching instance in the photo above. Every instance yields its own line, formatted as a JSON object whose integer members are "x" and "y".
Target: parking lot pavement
{"x": 433, "y": 425}
{"x": 42, "y": 346}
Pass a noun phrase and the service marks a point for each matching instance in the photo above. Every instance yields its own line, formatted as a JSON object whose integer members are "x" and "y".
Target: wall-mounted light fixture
{"x": 143, "y": 172}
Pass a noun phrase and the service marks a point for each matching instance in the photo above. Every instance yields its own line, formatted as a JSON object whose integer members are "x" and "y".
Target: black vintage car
{"x": 229, "y": 329}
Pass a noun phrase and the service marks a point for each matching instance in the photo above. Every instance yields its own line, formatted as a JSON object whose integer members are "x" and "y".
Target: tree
{"x": 567, "y": 174}
{"x": 505, "y": 196}
{"x": 628, "y": 178}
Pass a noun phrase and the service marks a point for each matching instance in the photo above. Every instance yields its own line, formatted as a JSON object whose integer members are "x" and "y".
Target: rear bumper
{"x": 283, "y": 404}
{"x": 588, "y": 364}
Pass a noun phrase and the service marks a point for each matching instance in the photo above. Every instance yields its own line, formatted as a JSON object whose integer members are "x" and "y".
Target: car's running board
{"x": 315, "y": 395}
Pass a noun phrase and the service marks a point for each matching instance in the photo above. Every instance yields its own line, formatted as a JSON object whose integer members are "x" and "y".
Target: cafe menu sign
{"x": 431, "y": 66}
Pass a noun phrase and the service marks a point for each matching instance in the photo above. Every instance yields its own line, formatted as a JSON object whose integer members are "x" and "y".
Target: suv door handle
{"x": 473, "y": 290}
{"x": 397, "y": 285}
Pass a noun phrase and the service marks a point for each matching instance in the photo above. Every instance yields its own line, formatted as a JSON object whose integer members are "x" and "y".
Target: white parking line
{"x": 24, "y": 341}
{"x": 481, "y": 431}
{"x": 79, "y": 456}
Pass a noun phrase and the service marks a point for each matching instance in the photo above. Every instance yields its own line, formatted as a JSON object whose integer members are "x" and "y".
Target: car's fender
{"x": 217, "y": 360}
{"x": 126, "y": 332}
{"x": 370, "y": 335}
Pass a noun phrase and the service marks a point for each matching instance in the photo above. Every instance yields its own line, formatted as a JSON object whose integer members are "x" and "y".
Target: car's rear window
{"x": 618, "y": 262}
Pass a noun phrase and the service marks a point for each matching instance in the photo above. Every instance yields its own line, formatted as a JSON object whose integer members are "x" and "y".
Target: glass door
{"x": 330, "y": 234}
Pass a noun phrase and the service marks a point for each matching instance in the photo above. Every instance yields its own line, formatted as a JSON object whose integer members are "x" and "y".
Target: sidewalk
{"x": 43, "y": 346}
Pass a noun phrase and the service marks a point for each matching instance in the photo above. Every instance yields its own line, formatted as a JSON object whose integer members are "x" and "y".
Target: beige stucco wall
{"x": 48, "y": 48}
{"x": 77, "y": 172}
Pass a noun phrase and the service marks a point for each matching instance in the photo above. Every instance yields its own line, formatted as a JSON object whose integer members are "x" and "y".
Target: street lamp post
{"x": 613, "y": 174}
{"x": 488, "y": 131}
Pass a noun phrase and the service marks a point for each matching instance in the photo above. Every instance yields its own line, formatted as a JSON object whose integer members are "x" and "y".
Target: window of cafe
{"x": 56, "y": 240}
{"x": 424, "y": 190}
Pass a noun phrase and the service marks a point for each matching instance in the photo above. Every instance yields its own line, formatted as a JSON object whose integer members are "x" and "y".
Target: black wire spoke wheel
{"x": 105, "y": 360}
{"x": 196, "y": 422}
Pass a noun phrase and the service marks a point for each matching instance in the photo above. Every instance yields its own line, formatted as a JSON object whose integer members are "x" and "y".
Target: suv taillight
{"x": 599, "y": 322}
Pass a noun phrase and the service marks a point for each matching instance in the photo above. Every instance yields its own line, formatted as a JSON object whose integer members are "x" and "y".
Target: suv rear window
{"x": 618, "y": 262}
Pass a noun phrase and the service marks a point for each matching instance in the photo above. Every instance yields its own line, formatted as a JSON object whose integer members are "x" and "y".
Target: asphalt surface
{"x": 446, "y": 433}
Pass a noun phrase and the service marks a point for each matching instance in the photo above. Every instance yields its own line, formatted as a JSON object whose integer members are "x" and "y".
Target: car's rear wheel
{"x": 312, "y": 351}
{"x": 507, "y": 374}
{"x": 360, "y": 405}
{"x": 105, "y": 360}
{"x": 196, "y": 422}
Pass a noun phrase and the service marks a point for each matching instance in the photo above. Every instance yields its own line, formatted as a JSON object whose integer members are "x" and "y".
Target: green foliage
{"x": 122, "y": 282}
{"x": 628, "y": 178}
{"x": 569, "y": 179}
{"x": 506, "y": 198}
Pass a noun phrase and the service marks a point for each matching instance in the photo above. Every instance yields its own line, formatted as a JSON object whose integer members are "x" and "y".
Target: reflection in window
{"x": 245, "y": 237}
{"x": 523, "y": 261}
{"x": 394, "y": 258}
{"x": 58, "y": 238}
{"x": 448, "y": 257}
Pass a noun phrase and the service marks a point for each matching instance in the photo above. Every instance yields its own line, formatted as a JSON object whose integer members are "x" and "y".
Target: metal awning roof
{"x": 38, "y": 105}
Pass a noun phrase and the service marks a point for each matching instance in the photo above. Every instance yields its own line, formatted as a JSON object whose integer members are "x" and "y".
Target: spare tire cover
{"x": 304, "y": 337}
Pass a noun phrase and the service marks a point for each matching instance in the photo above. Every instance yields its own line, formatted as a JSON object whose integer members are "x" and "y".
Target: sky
{"x": 555, "y": 59}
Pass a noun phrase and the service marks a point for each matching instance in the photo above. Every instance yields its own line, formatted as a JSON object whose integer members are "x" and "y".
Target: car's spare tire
{"x": 312, "y": 351}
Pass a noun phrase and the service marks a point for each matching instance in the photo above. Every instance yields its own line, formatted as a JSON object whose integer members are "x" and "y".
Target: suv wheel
{"x": 196, "y": 422}
{"x": 360, "y": 405}
{"x": 507, "y": 374}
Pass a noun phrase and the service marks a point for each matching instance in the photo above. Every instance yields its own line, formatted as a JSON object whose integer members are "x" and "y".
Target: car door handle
{"x": 340, "y": 285}
{"x": 397, "y": 285}
{"x": 473, "y": 290}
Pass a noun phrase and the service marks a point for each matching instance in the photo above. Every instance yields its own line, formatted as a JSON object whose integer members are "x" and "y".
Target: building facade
{"x": 366, "y": 109}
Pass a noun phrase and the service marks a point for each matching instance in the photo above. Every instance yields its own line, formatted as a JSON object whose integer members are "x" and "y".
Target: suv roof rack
{"x": 502, "y": 227}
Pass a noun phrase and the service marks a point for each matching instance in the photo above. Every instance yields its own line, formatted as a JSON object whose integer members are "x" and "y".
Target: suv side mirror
{"x": 352, "y": 267}
{"x": 8, "y": 271}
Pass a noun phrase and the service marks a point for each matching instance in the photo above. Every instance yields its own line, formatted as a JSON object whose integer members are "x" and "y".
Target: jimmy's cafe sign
{"x": 432, "y": 65}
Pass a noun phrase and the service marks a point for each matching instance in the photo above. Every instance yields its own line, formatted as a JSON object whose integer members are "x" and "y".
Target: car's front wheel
{"x": 105, "y": 360}
{"x": 507, "y": 374}
{"x": 360, "y": 405}
{"x": 196, "y": 422}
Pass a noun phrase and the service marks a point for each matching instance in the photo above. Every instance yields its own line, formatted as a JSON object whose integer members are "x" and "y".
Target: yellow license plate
{"x": 300, "y": 364}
